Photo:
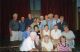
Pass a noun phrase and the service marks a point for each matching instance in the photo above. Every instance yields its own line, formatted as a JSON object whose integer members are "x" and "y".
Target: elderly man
{"x": 14, "y": 27}
{"x": 28, "y": 43}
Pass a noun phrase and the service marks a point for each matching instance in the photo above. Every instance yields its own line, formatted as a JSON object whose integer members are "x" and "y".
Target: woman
{"x": 69, "y": 36}
{"x": 62, "y": 45}
{"x": 46, "y": 31}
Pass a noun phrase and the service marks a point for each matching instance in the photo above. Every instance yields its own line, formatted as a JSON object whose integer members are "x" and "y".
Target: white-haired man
{"x": 28, "y": 43}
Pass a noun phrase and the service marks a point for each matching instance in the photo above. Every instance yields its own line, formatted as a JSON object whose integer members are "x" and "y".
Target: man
{"x": 50, "y": 22}
{"x": 62, "y": 23}
{"x": 56, "y": 19}
{"x": 29, "y": 20}
{"x": 21, "y": 27}
{"x": 14, "y": 27}
{"x": 41, "y": 27}
{"x": 55, "y": 34}
{"x": 28, "y": 43}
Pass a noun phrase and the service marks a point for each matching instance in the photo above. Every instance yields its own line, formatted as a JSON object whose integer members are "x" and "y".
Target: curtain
{"x": 60, "y": 7}
{"x": 8, "y": 7}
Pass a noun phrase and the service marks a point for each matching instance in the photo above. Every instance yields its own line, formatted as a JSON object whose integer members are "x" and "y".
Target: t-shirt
{"x": 27, "y": 44}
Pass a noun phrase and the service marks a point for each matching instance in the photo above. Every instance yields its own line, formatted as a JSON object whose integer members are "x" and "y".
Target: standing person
{"x": 34, "y": 23}
{"x": 28, "y": 43}
{"x": 69, "y": 36}
{"x": 62, "y": 46}
{"x": 56, "y": 19}
{"x": 41, "y": 23}
{"x": 62, "y": 23}
{"x": 14, "y": 27}
{"x": 55, "y": 35}
{"x": 50, "y": 21}
{"x": 22, "y": 27}
{"x": 29, "y": 20}
{"x": 26, "y": 33}
{"x": 46, "y": 21}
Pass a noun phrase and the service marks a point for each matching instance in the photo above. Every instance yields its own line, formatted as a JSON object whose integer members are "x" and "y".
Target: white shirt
{"x": 46, "y": 32}
{"x": 68, "y": 35}
{"x": 56, "y": 34}
{"x": 27, "y": 44}
{"x": 48, "y": 45}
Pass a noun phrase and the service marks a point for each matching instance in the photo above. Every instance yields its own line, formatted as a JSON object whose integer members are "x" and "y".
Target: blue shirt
{"x": 28, "y": 22}
{"x": 22, "y": 26}
{"x": 25, "y": 34}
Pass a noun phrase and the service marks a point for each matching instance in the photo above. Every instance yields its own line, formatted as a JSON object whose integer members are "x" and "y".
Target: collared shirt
{"x": 27, "y": 45}
{"x": 56, "y": 34}
{"x": 61, "y": 26}
{"x": 28, "y": 21}
{"x": 22, "y": 26}
{"x": 14, "y": 25}
{"x": 55, "y": 21}
{"x": 25, "y": 34}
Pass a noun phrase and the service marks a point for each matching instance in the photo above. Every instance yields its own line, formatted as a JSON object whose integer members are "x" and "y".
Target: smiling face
{"x": 22, "y": 18}
{"x": 15, "y": 16}
{"x": 46, "y": 38}
{"x": 29, "y": 16}
{"x": 56, "y": 16}
{"x": 66, "y": 29}
{"x": 46, "y": 27}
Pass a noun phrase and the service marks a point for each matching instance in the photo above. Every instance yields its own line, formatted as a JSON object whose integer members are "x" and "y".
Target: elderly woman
{"x": 69, "y": 36}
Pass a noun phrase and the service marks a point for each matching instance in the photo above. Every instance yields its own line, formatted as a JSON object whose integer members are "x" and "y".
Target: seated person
{"x": 46, "y": 44}
{"x": 55, "y": 35}
{"x": 26, "y": 33}
{"x": 69, "y": 36}
{"x": 45, "y": 31}
{"x": 28, "y": 43}
{"x": 62, "y": 45}
{"x": 36, "y": 29}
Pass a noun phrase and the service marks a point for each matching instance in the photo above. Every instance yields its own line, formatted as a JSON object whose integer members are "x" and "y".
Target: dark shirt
{"x": 22, "y": 26}
{"x": 61, "y": 26}
{"x": 28, "y": 21}
{"x": 14, "y": 25}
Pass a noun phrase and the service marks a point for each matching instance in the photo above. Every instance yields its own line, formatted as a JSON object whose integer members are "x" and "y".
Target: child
{"x": 46, "y": 44}
{"x": 62, "y": 46}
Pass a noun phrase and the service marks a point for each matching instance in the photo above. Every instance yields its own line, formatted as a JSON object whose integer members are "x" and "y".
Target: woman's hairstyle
{"x": 62, "y": 37}
{"x": 35, "y": 26}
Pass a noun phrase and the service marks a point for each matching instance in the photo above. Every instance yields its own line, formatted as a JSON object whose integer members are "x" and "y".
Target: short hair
{"x": 61, "y": 16}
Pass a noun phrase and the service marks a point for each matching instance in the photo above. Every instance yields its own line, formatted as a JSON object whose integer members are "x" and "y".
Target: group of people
{"x": 44, "y": 33}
